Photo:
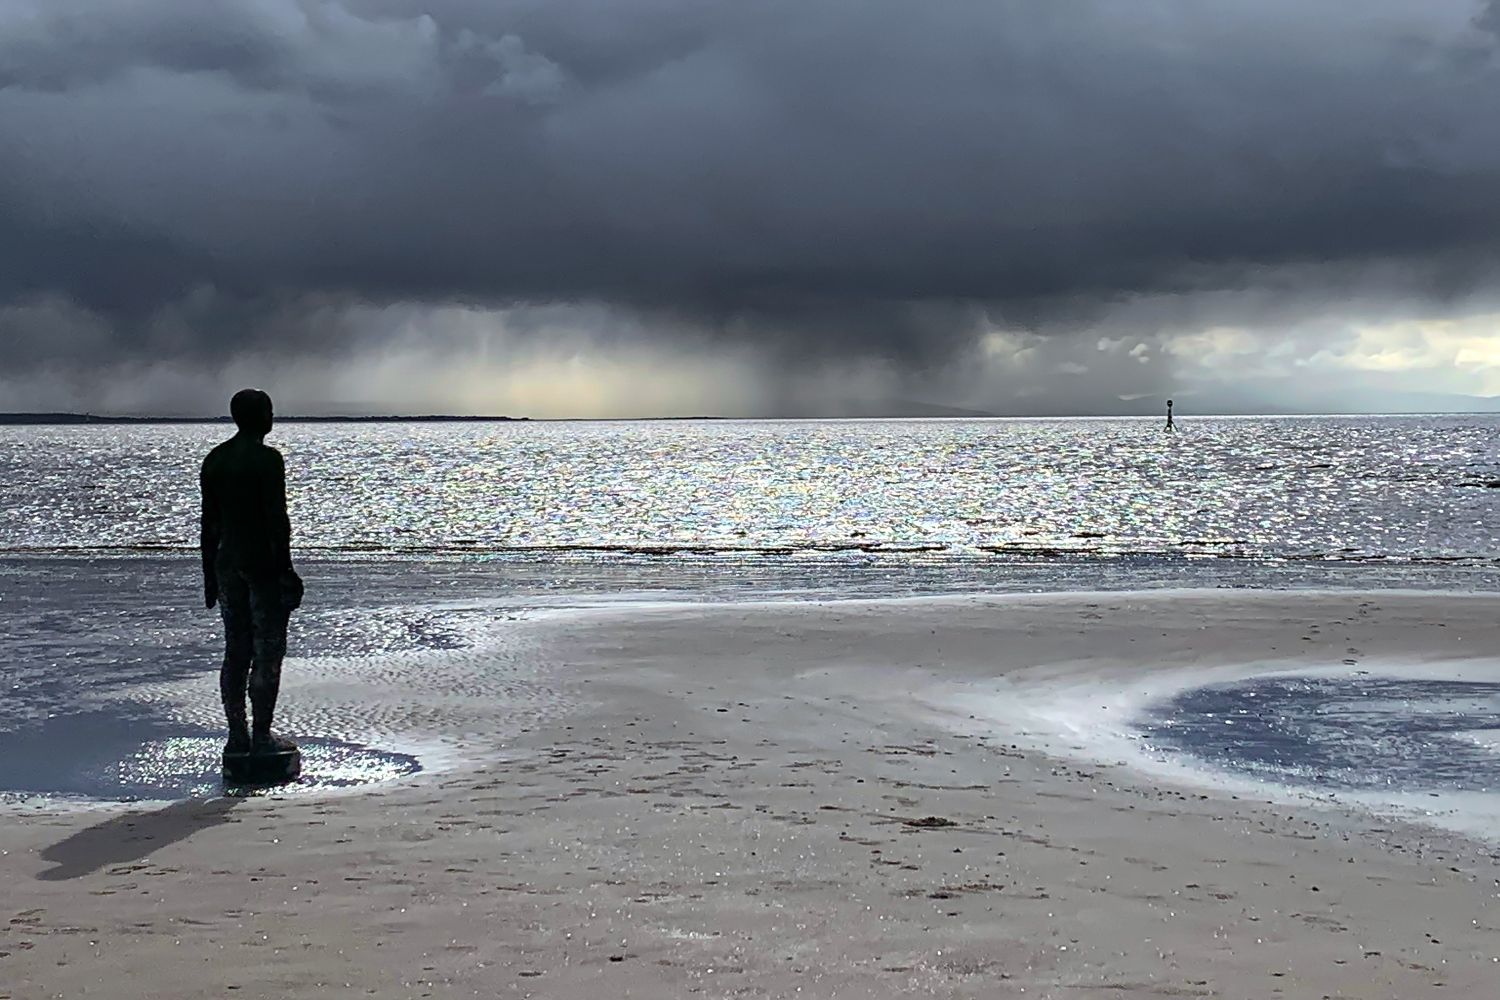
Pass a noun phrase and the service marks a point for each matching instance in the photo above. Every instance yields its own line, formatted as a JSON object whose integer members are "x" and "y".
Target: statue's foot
{"x": 271, "y": 760}
{"x": 238, "y": 743}
{"x": 271, "y": 743}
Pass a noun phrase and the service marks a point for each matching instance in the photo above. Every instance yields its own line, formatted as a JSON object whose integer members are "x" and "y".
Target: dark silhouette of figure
{"x": 247, "y": 570}
{"x": 1170, "y": 426}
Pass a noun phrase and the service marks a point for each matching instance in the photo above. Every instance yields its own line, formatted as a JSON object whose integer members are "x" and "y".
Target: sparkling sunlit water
{"x": 1325, "y": 487}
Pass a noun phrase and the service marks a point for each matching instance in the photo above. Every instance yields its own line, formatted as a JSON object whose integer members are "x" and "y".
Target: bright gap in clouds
{"x": 564, "y": 362}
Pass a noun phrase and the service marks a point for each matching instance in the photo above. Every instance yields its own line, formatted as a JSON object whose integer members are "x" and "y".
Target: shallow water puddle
{"x": 93, "y": 756}
{"x": 1347, "y": 733}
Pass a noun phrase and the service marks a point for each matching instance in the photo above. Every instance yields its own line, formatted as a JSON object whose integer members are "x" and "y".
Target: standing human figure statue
{"x": 247, "y": 571}
{"x": 1170, "y": 425}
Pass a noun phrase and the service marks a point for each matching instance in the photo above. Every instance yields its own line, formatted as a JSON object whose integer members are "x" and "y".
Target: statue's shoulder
{"x": 216, "y": 454}
{"x": 267, "y": 462}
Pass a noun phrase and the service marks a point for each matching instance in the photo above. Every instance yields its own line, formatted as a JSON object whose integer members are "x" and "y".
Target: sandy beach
{"x": 820, "y": 800}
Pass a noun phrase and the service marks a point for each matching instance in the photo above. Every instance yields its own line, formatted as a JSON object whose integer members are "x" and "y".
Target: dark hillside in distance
{"x": 93, "y": 418}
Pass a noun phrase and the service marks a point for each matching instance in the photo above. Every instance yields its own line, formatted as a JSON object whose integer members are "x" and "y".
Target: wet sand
{"x": 841, "y": 799}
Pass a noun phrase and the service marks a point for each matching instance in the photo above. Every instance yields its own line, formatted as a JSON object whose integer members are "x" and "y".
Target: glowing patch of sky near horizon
{"x": 580, "y": 361}
{"x": 1459, "y": 354}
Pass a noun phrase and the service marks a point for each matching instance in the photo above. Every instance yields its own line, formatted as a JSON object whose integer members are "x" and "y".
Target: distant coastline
{"x": 95, "y": 418}
{"x": 840, "y": 410}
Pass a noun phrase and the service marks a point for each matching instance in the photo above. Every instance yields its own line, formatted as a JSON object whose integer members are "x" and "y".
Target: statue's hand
{"x": 291, "y": 589}
{"x": 210, "y": 593}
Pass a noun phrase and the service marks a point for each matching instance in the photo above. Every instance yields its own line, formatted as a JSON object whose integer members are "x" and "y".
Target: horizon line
{"x": 67, "y": 418}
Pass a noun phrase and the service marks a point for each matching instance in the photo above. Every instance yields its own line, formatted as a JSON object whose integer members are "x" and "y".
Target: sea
{"x": 420, "y": 542}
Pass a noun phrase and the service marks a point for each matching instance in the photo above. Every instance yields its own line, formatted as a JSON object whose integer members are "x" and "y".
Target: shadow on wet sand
{"x": 132, "y": 836}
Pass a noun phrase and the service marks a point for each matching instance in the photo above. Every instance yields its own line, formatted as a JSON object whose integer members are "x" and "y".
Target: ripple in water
{"x": 1346, "y": 733}
{"x": 111, "y": 705}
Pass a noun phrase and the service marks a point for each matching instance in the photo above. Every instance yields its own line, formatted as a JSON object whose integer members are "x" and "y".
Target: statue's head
{"x": 251, "y": 410}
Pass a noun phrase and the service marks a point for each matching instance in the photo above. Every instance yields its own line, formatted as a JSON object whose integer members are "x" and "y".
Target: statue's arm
{"x": 281, "y": 523}
{"x": 208, "y": 539}
{"x": 281, "y": 537}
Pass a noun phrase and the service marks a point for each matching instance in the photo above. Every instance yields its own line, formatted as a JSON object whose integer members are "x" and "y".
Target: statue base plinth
{"x": 264, "y": 768}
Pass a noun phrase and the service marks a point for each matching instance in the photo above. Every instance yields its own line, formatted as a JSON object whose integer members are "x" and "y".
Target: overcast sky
{"x": 597, "y": 207}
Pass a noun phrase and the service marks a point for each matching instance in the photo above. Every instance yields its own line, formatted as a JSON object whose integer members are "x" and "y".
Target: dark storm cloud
{"x": 872, "y": 176}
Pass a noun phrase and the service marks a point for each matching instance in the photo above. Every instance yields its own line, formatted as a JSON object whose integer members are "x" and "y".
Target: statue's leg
{"x": 269, "y": 618}
{"x": 234, "y": 608}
